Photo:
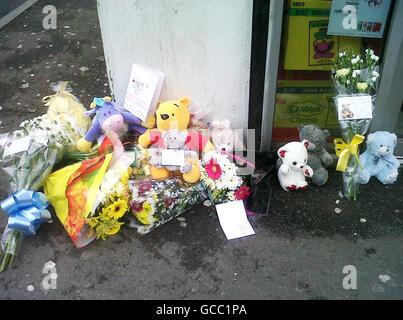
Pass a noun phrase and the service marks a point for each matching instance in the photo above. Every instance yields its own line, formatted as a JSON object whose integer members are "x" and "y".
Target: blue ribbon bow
{"x": 26, "y": 210}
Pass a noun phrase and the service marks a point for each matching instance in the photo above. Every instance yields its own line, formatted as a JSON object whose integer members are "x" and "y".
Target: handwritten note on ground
{"x": 233, "y": 219}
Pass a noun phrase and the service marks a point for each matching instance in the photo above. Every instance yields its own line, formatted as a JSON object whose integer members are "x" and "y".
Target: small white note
{"x": 16, "y": 146}
{"x": 172, "y": 157}
{"x": 355, "y": 107}
{"x": 233, "y": 219}
{"x": 143, "y": 91}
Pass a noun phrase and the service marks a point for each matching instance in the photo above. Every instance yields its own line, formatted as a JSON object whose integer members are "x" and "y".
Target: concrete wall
{"x": 202, "y": 46}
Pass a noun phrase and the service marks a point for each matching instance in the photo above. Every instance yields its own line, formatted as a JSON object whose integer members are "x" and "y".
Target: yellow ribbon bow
{"x": 48, "y": 99}
{"x": 344, "y": 150}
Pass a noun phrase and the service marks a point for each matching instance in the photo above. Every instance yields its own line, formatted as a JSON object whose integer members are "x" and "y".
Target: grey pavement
{"x": 298, "y": 252}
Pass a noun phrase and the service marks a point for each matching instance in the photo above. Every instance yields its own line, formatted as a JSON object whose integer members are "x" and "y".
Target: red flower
{"x": 213, "y": 169}
{"x": 242, "y": 193}
{"x": 137, "y": 206}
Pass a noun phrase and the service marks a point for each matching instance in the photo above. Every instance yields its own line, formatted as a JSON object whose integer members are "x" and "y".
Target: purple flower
{"x": 144, "y": 187}
{"x": 137, "y": 206}
{"x": 168, "y": 201}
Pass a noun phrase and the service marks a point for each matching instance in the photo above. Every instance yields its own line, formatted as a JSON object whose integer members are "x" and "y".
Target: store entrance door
{"x": 389, "y": 102}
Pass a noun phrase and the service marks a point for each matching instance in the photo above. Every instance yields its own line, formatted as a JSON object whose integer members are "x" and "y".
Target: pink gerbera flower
{"x": 242, "y": 193}
{"x": 144, "y": 187}
{"x": 137, "y": 206}
{"x": 213, "y": 169}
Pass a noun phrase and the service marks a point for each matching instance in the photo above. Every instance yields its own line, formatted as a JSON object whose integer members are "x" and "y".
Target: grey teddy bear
{"x": 318, "y": 158}
{"x": 173, "y": 140}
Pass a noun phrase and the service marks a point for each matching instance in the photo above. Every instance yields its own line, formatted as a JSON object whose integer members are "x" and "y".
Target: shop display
{"x": 378, "y": 159}
{"x": 307, "y": 45}
{"x": 318, "y": 158}
{"x": 294, "y": 167}
{"x": 359, "y": 18}
{"x": 355, "y": 78}
{"x": 303, "y": 102}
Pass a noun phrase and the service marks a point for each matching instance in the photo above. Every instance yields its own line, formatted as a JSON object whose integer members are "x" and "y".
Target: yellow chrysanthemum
{"x": 107, "y": 228}
{"x": 117, "y": 209}
{"x": 144, "y": 215}
{"x": 362, "y": 86}
{"x": 113, "y": 229}
{"x": 125, "y": 177}
{"x": 93, "y": 221}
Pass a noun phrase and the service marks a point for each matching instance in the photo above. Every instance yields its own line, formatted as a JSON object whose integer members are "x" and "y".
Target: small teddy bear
{"x": 378, "y": 159}
{"x": 224, "y": 137}
{"x": 346, "y": 113}
{"x": 173, "y": 140}
{"x": 318, "y": 158}
{"x": 294, "y": 167}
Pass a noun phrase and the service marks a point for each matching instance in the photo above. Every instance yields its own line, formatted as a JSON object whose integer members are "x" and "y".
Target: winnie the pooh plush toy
{"x": 174, "y": 115}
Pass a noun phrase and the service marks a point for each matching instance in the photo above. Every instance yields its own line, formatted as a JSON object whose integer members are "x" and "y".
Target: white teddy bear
{"x": 224, "y": 137}
{"x": 294, "y": 168}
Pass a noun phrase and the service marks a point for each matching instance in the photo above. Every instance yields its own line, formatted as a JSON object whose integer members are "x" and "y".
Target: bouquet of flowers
{"x": 91, "y": 197}
{"x": 155, "y": 202}
{"x": 219, "y": 177}
{"x": 113, "y": 200}
{"x": 355, "y": 78}
{"x": 28, "y": 156}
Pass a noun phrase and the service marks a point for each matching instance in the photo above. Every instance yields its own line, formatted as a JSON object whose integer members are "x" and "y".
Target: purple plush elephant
{"x": 109, "y": 119}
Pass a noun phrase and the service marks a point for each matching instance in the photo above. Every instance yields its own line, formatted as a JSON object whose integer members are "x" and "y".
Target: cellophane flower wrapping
{"x": 354, "y": 75}
{"x": 155, "y": 202}
{"x": 220, "y": 178}
{"x": 28, "y": 156}
{"x": 112, "y": 201}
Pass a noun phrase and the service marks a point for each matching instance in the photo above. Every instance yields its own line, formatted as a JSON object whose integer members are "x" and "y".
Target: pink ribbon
{"x": 235, "y": 157}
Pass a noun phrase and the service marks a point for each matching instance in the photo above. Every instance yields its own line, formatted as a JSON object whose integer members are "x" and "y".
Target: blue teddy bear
{"x": 378, "y": 159}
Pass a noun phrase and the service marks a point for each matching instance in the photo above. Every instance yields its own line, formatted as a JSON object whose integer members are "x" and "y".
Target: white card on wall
{"x": 354, "y": 107}
{"x": 143, "y": 91}
{"x": 233, "y": 219}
